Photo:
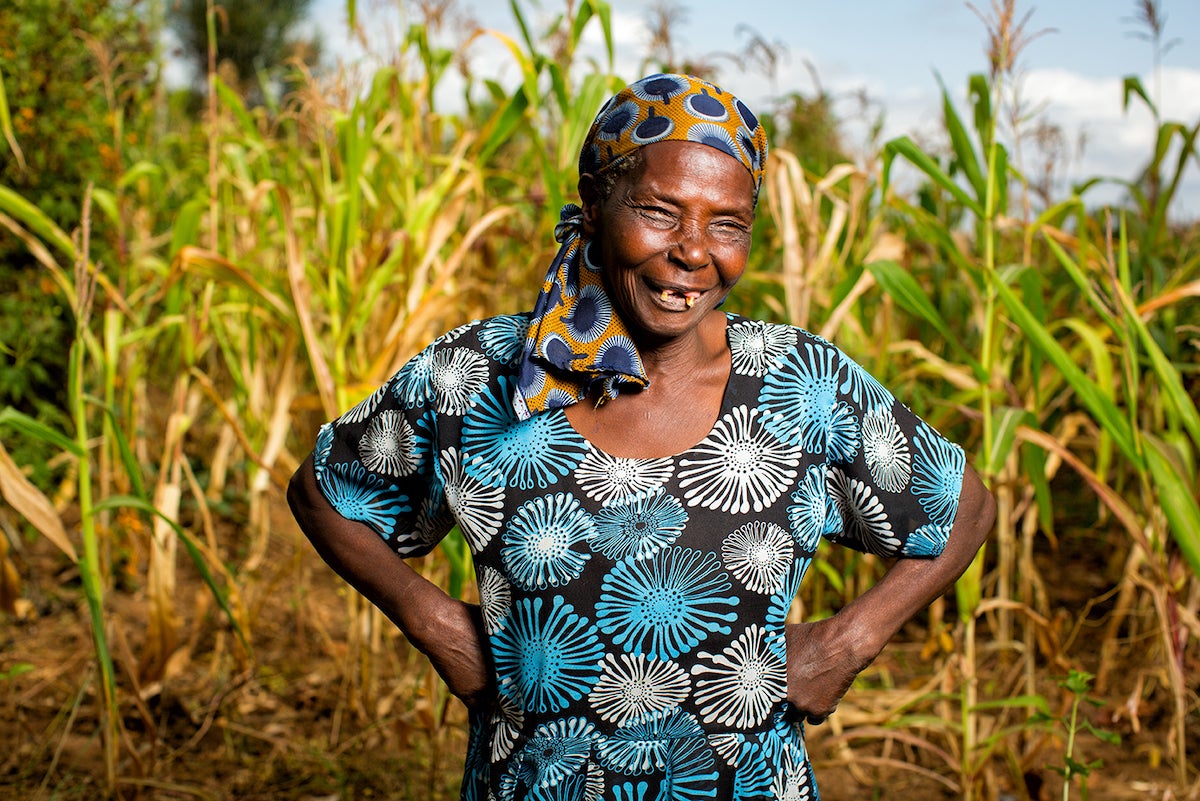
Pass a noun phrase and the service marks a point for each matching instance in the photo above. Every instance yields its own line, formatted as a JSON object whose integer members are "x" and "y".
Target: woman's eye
{"x": 657, "y": 214}
{"x": 730, "y": 229}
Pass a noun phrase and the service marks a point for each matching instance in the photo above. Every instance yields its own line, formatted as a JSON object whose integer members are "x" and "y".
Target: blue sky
{"x": 891, "y": 49}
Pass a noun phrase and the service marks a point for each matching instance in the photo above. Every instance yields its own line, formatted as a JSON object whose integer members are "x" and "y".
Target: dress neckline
{"x": 722, "y": 410}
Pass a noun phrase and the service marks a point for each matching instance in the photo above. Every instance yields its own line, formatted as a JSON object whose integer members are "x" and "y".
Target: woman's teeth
{"x": 689, "y": 298}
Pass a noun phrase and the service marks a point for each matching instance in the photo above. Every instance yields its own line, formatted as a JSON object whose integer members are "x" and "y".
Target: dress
{"x": 635, "y": 607}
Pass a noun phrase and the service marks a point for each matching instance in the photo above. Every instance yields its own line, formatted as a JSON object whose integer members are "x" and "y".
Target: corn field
{"x": 168, "y": 633}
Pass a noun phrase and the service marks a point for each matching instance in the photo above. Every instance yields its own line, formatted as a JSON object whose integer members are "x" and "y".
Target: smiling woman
{"x": 643, "y": 480}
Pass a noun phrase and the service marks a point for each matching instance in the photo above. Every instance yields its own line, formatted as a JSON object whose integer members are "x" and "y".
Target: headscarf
{"x": 576, "y": 339}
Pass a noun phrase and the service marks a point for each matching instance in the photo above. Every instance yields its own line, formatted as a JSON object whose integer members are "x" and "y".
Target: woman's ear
{"x": 590, "y": 202}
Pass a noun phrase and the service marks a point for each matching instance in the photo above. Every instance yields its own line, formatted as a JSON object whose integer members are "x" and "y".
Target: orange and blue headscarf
{"x": 576, "y": 339}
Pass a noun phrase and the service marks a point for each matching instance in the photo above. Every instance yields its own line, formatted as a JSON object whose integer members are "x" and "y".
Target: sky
{"x": 893, "y": 52}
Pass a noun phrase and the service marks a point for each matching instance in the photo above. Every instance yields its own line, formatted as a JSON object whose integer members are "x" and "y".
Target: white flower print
{"x": 866, "y": 519}
{"x": 457, "y": 376}
{"x": 755, "y": 345}
{"x": 728, "y": 746}
{"x": 475, "y": 505}
{"x": 388, "y": 445}
{"x": 759, "y": 555}
{"x": 364, "y": 407}
{"x": 794, "y": 782}
{"x": 739, "y": 686}
{"x": 886, "y": 450}
{"x": 606, "y": 479}
{"x": 633, "y": 687}
{"x": 495, "y": 598}
{"x": 506, "y": 725}
{"x": 739, "y": 466}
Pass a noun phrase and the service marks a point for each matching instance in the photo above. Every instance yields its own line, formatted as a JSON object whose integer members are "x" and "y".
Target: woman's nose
{"x": 690, "y": 250}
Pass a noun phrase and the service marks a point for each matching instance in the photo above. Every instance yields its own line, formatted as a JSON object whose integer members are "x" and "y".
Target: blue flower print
{"x": 781, "y": 601}
{"x": 503, "y": 337}
{"x": 845, "y": 435}
{"x": 366, "y": 497}
{"x": 689, "y": 776}
{"x": 499, "y": 449}
{"x": 413, "y": 385}
{"x": 634, "y": 791}
{"x": 642, "y": 746}
{"x": 322, "y": 450}
{"x": 474, "y": 784}
{"x": 540, "y": 539}
{"x": 937, "y": 475}
{"x": 546, "y": 661}
{"x": 863, "y": 388}
{"x": 664, "y": 605}
{"x": 557, "y": 750}
{"x": 798, "y": 398}
{"x": 928, "y": 540}
{"x": 809, "y": 510}
{"x": 755, "y": 774}
{"x": 640, "y": 526}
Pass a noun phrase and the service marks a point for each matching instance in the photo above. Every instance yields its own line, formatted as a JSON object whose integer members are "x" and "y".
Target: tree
{"x": 253, "y": 37}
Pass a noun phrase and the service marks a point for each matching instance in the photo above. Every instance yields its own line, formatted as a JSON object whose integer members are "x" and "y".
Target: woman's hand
{"x": 450, "y": 632}
{"x": 824, "y": 657}
{"x": 822, "y": 664}
{"x": 445, "y": 629}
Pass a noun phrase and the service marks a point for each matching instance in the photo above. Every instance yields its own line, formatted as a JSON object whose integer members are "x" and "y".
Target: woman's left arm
{"x": 824, "y": 657}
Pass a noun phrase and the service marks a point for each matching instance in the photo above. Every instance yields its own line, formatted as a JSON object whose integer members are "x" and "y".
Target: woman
{"x": 642, "y": 480}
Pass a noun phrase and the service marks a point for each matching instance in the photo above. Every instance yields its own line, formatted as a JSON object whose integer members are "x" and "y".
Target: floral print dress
{"x": 635, "y": 608}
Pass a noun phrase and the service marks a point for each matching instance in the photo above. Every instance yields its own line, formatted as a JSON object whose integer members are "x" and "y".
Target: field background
{"x": 192, "y": 281}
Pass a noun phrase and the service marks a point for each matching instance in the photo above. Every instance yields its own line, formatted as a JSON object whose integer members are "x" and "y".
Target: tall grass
{"x": 281, "y": 262}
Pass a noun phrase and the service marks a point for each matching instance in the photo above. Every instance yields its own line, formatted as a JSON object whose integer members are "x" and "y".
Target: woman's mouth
{"x": 675, "y": 297}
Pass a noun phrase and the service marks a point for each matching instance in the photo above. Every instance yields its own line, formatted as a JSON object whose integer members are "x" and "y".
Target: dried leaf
{"x": 32, "y": 504}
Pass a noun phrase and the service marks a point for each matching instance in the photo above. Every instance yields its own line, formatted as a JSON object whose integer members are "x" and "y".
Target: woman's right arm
{"x": 447, "y": 630}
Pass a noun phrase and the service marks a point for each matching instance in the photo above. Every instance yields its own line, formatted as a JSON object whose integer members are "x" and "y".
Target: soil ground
{"x": 288, "y": 722}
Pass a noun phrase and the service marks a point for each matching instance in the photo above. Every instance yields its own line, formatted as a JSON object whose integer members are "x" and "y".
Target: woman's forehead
{"x": 677, "y": 170}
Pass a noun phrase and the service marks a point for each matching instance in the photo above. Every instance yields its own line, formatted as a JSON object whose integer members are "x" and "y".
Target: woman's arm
{"x": 448, "y": 631}
{"x": 824, "y": 657}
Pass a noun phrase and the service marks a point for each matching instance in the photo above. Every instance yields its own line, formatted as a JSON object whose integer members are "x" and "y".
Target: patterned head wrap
{"x": 576, "y": 339}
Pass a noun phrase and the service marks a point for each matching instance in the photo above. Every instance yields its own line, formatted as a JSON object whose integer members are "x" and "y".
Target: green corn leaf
{"x": 902, "y": 287}
{"x": 903, "y": 146}
{"x": 1020, "y": 701}
{"x": 36, "y": 221}
{"x": 981, "y": 97}
{"x": 1005, "y": 422}
{"x": 189, "y": 544}
{"x": 133, "y": 468}
{"x": 7, "y": 129}
{"x": 1133, "y": 88}
{"x": 1175, "y": 496}
{"x": 1033, "y": 466}
{"x": 960, "y": 141}
{"x": 1103, "y": 409}
{"x": 19, "y": 421}
{"x": 1000, "y": 177}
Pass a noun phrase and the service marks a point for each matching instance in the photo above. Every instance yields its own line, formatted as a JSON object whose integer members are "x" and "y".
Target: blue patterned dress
{"x": 635, "y": 607}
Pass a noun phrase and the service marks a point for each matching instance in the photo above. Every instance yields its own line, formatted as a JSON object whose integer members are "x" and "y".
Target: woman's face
{"x": 673, "y": 236}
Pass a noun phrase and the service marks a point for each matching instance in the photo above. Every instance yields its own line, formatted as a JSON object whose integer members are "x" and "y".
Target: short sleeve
{"x": 377, "y": 463}
{"x": 893, "y": 482}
